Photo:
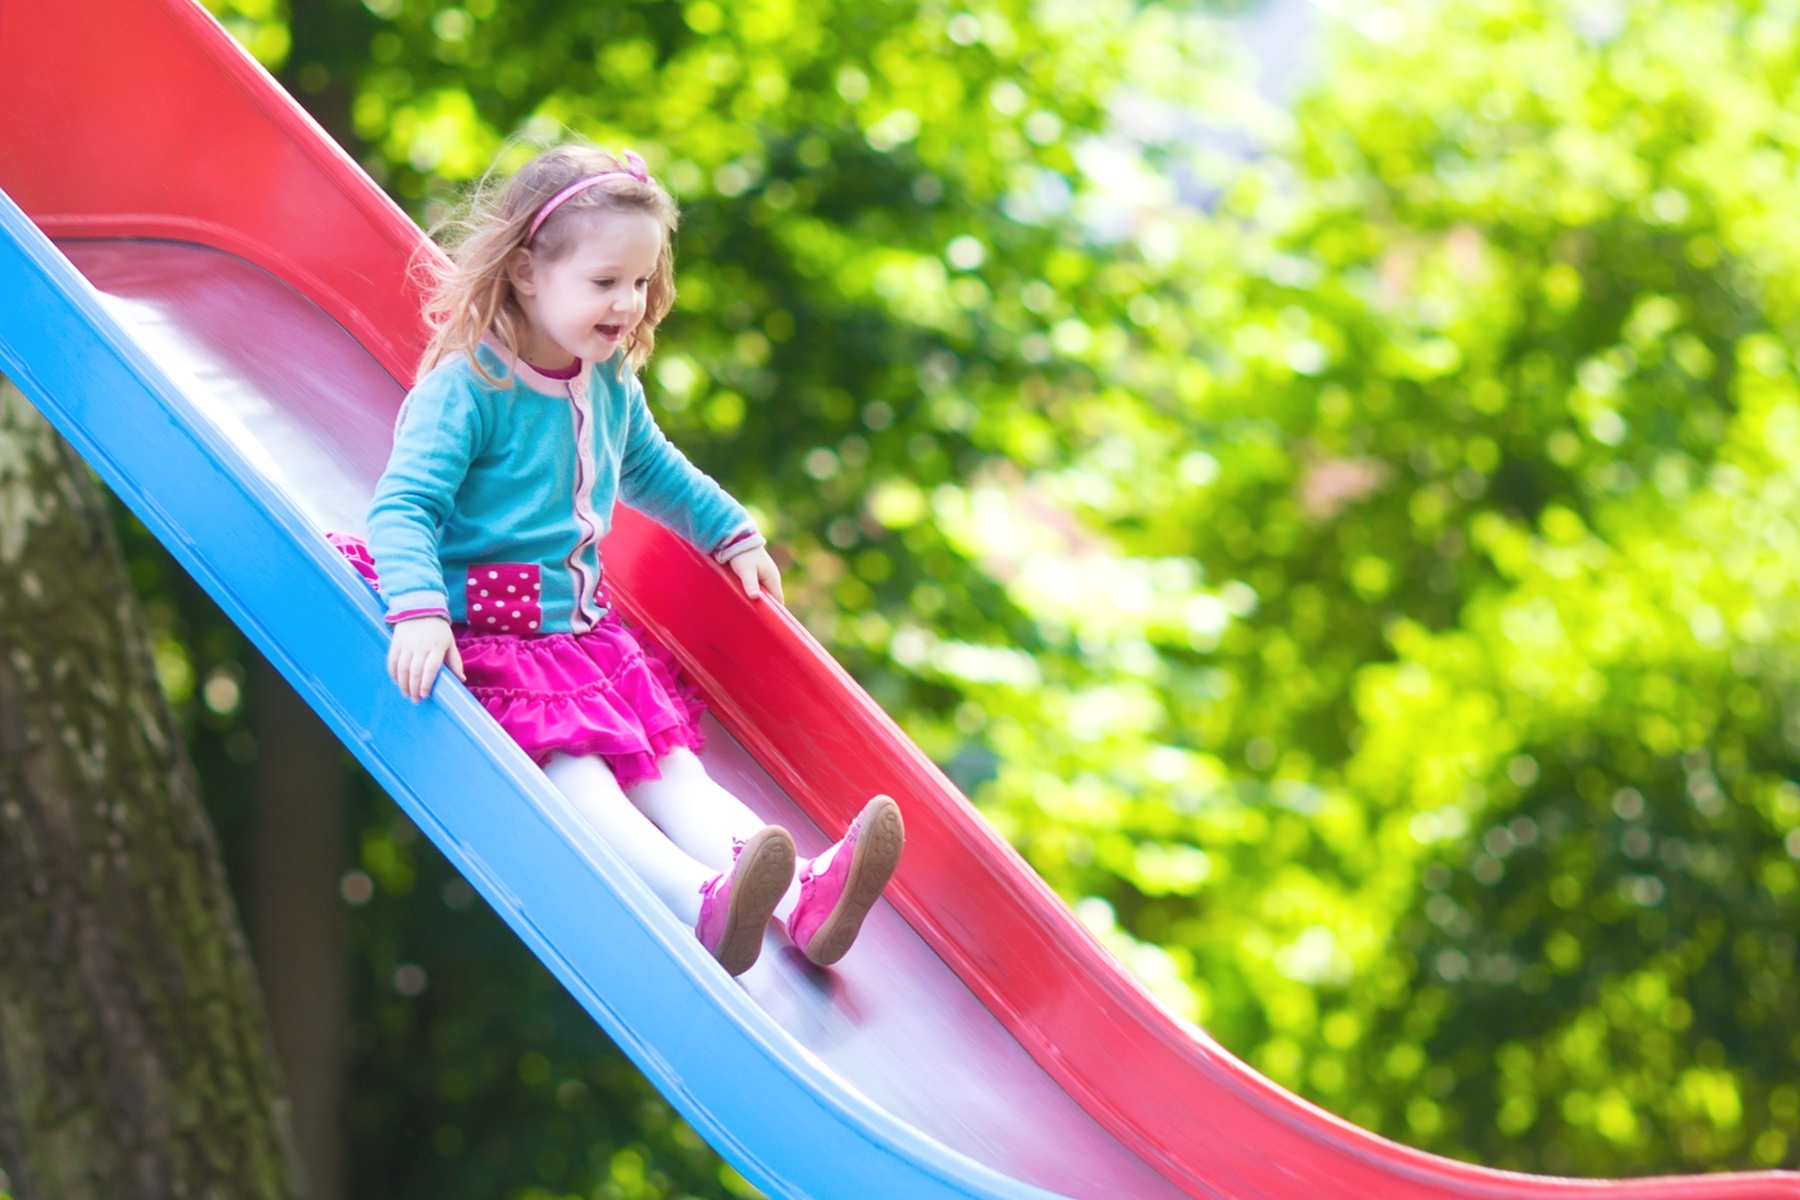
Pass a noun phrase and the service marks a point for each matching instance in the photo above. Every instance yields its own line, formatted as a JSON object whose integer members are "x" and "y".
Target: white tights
{"x": 676, "y": 832}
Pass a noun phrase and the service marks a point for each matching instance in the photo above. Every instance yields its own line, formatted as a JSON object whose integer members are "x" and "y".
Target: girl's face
{"x": 584, "y": 304}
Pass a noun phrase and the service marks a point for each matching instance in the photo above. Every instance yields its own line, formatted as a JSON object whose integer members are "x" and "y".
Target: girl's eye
{"x": 643, "y": 283}
{"x": 604, "y": 283}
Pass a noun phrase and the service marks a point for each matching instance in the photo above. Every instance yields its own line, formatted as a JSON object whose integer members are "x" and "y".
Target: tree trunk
{"x": 297, "y": 924}
{"x": 134, "y": 1056}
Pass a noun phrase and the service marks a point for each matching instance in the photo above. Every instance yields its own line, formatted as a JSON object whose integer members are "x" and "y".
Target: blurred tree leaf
{"x": 1358, "y": 580}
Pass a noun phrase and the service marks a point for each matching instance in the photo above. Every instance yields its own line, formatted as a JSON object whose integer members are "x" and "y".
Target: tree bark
{"x": 134, "y": 1055}
{"x": 297, "y": 923}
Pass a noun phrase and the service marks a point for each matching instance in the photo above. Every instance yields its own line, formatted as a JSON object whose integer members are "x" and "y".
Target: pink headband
{"x": 634, "y": 167}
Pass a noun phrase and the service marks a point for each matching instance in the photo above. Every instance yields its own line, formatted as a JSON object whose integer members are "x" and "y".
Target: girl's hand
{"x": 758, "y": 573}
{"x": 421, "y": 645}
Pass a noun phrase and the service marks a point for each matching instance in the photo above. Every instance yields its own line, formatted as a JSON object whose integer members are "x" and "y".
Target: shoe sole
{"x": 877, "y": 853}
{"x": 766, "y": 867}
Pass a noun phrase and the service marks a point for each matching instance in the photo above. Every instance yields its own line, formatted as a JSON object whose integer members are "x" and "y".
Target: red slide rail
{"x": 100, "y": 101}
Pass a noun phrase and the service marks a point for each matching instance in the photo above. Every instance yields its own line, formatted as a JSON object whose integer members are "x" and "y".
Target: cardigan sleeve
{"x": 435, "y": 440}
{"x": 658, "y": 480}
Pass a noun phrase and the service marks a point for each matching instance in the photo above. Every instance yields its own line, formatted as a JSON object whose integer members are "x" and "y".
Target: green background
{"x": 1360, "y": 576}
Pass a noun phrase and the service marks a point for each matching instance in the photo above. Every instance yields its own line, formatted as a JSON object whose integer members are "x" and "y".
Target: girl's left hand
{"x": 758, "y": 573}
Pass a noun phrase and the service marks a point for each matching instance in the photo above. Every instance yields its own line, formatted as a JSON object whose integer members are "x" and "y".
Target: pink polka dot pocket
{"x": 504, "y": 598}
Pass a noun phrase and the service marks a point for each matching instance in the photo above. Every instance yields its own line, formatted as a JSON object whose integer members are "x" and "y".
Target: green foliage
{"x": 1460, "y": 801}
{"x": 1367, "y": 601}
{"x": 260, "y": 25}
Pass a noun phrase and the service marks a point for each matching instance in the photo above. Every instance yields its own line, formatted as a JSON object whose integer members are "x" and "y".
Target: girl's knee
{"x": 564, "y": 770}
{"x": 679, "y": 764}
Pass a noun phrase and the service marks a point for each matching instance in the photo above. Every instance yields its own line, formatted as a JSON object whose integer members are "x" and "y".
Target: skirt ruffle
{"x": 612, "y": 693}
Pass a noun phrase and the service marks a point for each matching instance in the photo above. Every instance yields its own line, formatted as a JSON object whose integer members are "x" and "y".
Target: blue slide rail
{"x": 790, "y": 1126}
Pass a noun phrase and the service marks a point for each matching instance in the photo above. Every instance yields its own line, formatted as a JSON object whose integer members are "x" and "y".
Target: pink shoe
{"x": 736, "y": 905}
{"x": 835, "y": 899}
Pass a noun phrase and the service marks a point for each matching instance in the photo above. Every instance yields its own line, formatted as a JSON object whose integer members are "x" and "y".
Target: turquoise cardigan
{"x": 495, "y": 499}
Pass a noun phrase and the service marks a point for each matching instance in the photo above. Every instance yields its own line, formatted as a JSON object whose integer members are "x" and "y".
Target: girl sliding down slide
{"x": 527, "y": 422}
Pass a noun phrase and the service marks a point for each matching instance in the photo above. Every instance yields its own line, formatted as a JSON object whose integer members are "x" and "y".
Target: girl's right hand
{"x": 421, "y": 645}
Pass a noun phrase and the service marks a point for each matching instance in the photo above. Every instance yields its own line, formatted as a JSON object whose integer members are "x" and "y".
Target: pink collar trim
{"x": 568, "y": 372}
{"x": 532, "y": 378}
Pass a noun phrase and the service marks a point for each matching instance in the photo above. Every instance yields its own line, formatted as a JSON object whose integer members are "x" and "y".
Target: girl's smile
{"x": 522, "y": 595}
{"x": 584, "y": 304}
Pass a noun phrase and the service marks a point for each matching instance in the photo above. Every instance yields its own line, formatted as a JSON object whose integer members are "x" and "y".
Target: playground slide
{"x": 212, "y": 302}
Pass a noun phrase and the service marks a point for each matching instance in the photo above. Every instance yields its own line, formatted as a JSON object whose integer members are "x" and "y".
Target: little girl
{"x": 528, "y": 421}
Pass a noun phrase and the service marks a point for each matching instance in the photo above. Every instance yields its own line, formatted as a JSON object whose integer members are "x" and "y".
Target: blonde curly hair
{"x": 473, "y": 297}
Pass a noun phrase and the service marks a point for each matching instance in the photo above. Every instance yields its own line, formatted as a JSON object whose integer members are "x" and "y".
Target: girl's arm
{"x": 421, "y": 645}
{"x": 755, "y": 570}
{"x": 657, "y": 479}
{"x": 435, "y": 439}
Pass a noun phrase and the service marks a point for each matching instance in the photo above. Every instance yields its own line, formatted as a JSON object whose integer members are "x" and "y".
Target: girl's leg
{"x": 699, "y": 815}
{"x": 830, "y": 896}
{"x": 838, "y": 888}
{"x": 673, "y": 876}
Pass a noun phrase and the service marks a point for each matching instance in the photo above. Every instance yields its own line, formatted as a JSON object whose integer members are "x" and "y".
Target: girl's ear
{"x": 519, "y": 266}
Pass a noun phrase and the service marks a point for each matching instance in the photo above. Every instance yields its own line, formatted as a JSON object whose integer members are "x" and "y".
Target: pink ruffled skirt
{"x": 612, "y": 692}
